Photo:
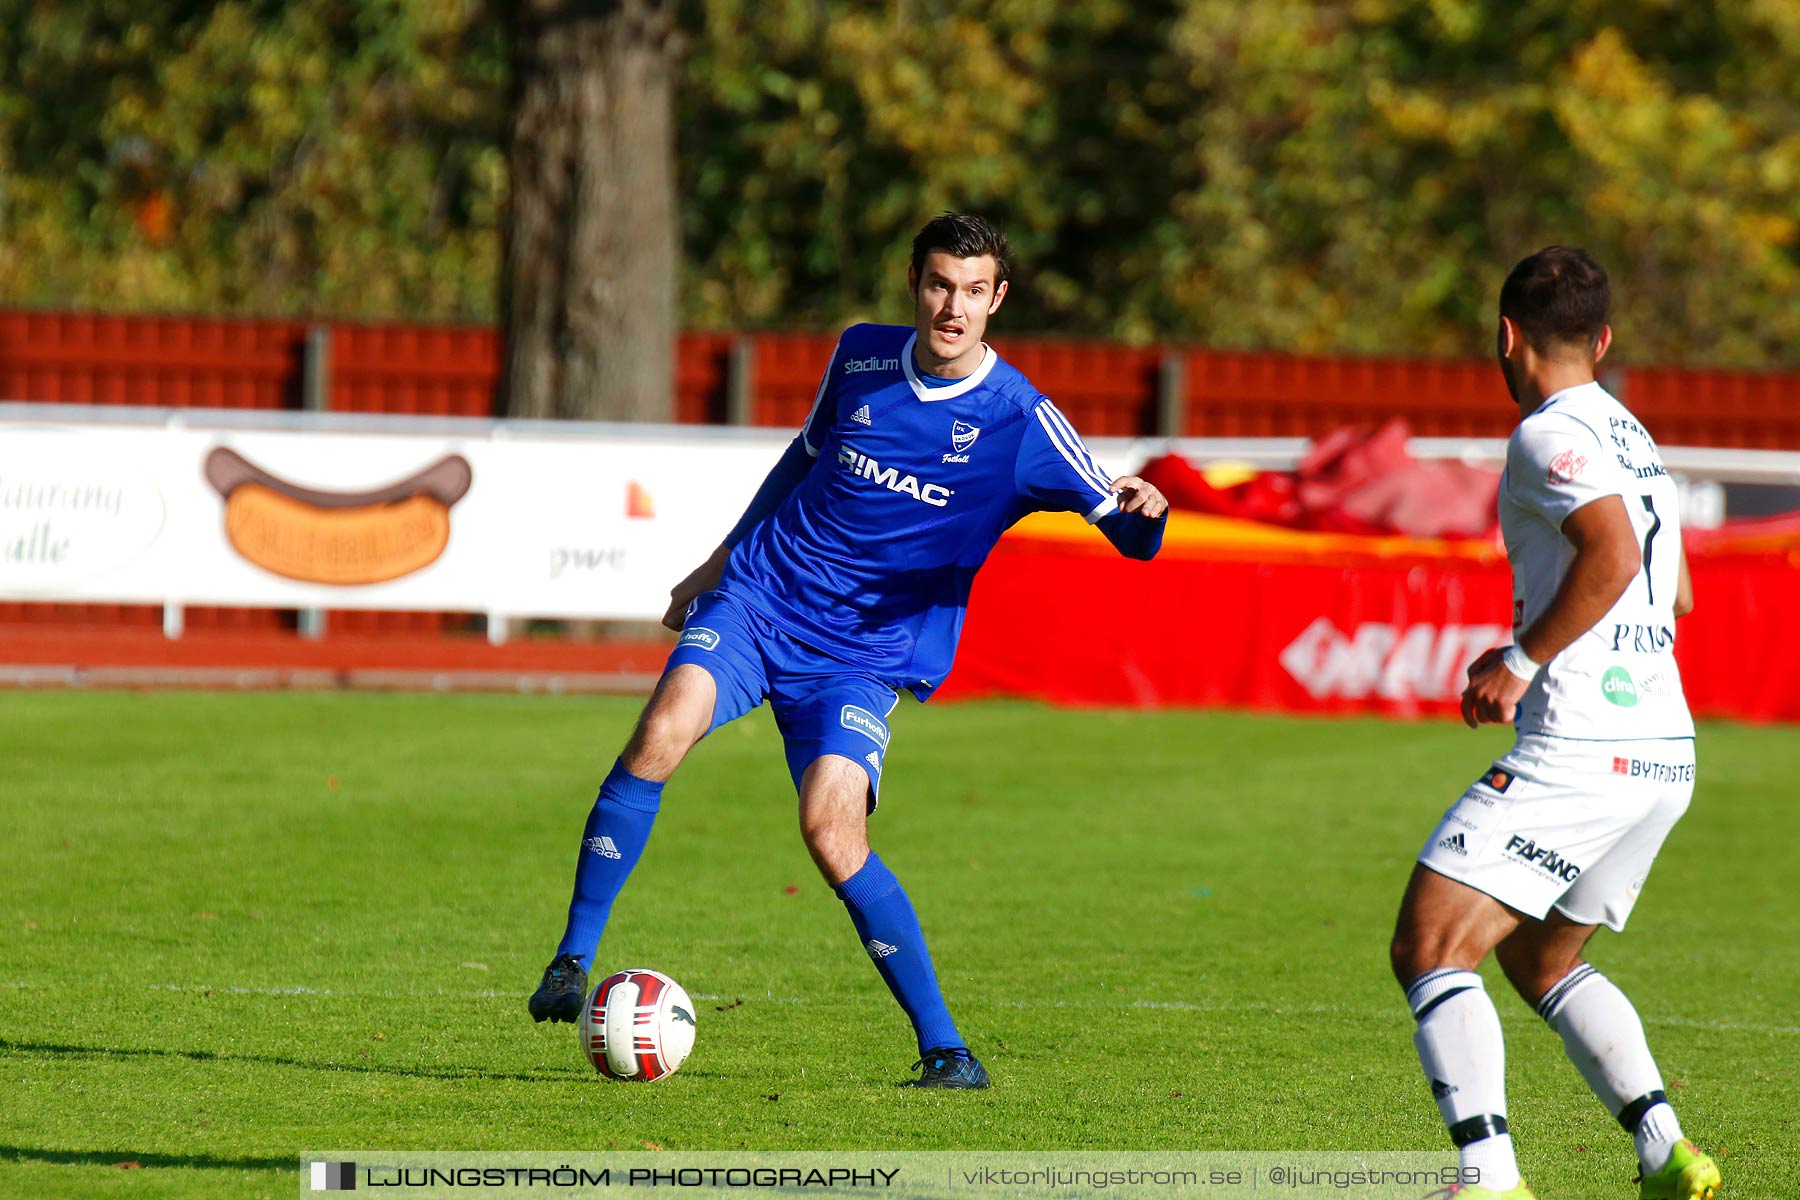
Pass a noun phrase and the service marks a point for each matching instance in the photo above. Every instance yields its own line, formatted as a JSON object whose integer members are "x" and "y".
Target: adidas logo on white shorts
{"x": 862, "y": 417}
{"x": 603, "y": 846}
{"x": 880, "y": 949}
{"x": 1454, "y": 843}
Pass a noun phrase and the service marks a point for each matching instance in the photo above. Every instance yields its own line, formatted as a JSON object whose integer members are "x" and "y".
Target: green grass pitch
{"x": 233, "y": 927}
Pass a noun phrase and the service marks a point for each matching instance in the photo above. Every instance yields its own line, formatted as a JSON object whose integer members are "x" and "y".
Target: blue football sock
{"x": 889, "y": 930}
{"x": 611, "y": 845}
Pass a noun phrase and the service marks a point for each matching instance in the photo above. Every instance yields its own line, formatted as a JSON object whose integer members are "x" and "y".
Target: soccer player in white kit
{"x": 1557, "y": 837}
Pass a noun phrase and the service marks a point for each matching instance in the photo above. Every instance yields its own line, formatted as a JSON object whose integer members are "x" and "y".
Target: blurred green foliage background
{"x": 1310, "y": 175}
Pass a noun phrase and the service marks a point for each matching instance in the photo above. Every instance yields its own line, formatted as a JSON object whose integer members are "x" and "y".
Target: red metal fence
{"x": 770, "y": 379}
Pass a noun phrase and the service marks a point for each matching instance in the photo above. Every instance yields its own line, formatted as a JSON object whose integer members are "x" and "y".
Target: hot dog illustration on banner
{"x": 339, "y": 538}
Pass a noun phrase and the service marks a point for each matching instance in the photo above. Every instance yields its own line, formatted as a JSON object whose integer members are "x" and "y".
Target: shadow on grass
{"x": 61, "y": 1051}
{"x": 112, "y": 1158}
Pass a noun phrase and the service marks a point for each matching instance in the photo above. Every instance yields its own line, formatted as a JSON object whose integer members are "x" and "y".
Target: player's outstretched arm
{"x": 1606, "y": 560}
{"x": 1055, "y": 472}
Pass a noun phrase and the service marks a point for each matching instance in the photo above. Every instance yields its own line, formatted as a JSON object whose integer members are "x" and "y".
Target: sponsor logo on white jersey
{"x": 1619, "y": 688}
{"x": 1655, "y": 772}
{"x": 1642, "y": 639}
{"x": 866, "y": 723}
{"x": 1454, "y": 844}
{"x": 1614, "y": 426}
{"x": 861, "y": 416}
{"x": 879, "y": 949}
{"x": 1421, "y": 662}
{"x": 603, "y": 846}
{"x": 699, "y": 636}
{"x": 1543, "y": 858}
{"x": 1567, "y": 467}
{"x": 864, "y": 467}
{"x": 855, "y": 366}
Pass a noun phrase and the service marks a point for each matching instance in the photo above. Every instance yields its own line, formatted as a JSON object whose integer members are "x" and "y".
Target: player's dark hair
{"x": 964, "y": 235}
{"x": 1557, "y": 297}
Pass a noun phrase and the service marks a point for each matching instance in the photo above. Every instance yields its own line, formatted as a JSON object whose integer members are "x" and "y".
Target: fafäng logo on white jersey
{"x": 1416, "y": 662}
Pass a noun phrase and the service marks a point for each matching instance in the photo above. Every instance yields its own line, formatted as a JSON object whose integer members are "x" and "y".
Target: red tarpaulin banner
{"x": 1241, "y": 616}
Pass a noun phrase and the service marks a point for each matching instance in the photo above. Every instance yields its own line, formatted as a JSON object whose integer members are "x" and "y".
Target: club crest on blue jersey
{"x": 963, "y": 435}
{"x": 866, "y": 723}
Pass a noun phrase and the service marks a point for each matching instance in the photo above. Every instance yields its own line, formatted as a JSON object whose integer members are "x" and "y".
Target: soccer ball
{"x": 638, "y": 1024}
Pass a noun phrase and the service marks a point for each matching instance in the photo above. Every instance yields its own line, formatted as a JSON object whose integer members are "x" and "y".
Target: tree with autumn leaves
{"x": 1346, "y": 176}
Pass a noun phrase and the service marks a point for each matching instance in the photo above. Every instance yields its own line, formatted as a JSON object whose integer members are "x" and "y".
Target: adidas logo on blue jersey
{"x": 861, "y": 416}
{"x": 603, "y": 846}
{"x": 879, "y": 949}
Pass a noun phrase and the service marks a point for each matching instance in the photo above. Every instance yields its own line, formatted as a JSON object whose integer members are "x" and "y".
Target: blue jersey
{"x": 871, "y": 556}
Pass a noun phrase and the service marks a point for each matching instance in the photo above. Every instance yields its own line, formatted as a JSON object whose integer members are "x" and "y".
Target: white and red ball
{"x": 638, "y": 1025}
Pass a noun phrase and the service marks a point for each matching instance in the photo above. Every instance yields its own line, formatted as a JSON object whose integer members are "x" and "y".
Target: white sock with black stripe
{"x": 1605, "y": 1040}
{"x": 1464, "y": 1056}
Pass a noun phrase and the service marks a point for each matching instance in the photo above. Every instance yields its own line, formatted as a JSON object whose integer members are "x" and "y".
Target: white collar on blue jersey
{"x": 925, "y": 391}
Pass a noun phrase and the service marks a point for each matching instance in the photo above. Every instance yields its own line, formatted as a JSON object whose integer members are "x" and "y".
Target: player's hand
{"x": 1488, "y": 661}
{"x": 702, "y": 579}
{"x": 1493, "y": 694}
{"x": 1139, "y": 497}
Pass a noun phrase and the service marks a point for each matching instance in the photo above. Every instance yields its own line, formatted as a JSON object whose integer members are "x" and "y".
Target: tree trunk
{"x": 593, "y": 236}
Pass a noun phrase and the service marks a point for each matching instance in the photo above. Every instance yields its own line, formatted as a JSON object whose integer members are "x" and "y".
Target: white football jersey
{"x": 1617, "y": 681}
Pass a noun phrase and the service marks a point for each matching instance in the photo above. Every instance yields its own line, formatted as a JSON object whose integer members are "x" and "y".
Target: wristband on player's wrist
{"x": 1519, "y": 663}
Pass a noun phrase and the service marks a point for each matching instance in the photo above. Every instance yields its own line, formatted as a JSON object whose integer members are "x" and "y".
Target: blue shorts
{"x": 822, "y": 705}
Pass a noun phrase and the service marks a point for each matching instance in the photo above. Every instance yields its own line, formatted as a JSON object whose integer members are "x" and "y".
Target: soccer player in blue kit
{"x": 844, "y": 582}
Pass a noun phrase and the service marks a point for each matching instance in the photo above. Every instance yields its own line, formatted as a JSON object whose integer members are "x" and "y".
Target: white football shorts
{"x": 1566, "y": 824}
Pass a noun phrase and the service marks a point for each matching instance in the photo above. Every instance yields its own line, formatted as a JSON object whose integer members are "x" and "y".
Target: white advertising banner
{"x": 511, "y": 519}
